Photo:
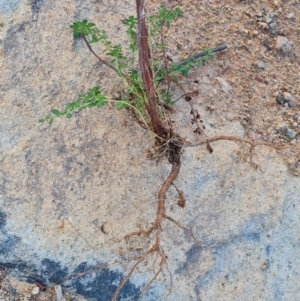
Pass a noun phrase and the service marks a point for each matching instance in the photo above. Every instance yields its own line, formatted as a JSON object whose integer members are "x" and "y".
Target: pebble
{"x": 270, "y": 17}
{"x": 35, "y": 291}
{"x": 287, "y": 97}
{"x": 280, "y": 100}
{"x": 283, "y": 45}
{"x": 261, "y": 65}
{"x": 226, "y": 87}
{"x": 116, "y": 95}
{"x": 290, "y": 133}
{"x": 59, "y": 294}
{"x": 263, "y": 25}
{"x": 291, "y": 16}
{"x": 273, "y": 27}
{"x": 264, "y": 266}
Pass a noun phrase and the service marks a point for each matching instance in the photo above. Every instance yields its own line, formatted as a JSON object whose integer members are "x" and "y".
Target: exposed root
{"x": 156, "y": 248}
{"x": 162, "y": 193}
{"x": 181, "y": 199}
{"x": 163, "y": 262}
{"x": 76, "y": 231}
{"x": 190, "y": 230}
{"x": 173, "y": 154}
{"x": 172, "y": 150}
{"x": 152, "y": 279}
{"x": 251, "y": 143}
{"x": 114, "y": 297}
{"x": 86, "y": 241}
{"x": 87, "y": 272}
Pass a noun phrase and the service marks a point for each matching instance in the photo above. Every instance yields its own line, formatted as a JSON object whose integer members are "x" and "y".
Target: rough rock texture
{"x": 69, "y": 192}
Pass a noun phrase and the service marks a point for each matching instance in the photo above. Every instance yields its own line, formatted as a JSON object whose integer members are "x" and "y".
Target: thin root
{"x": 153, "y": 278}
{"x": 184, "y": 228}
{"x": 252, "y": 143}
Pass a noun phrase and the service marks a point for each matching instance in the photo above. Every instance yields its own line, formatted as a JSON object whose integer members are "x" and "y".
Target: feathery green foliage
{"x": 126, "y": 67}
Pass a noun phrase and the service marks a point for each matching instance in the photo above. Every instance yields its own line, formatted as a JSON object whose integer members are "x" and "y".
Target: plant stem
{"x": 147, "y": 74}
{"x": 96, "y": 55}
{"x": 202, "y": 53}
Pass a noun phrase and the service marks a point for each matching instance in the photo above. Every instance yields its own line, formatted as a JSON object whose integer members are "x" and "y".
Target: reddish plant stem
{"x": 147, "y": 74}
{"x": 162, "y": 132}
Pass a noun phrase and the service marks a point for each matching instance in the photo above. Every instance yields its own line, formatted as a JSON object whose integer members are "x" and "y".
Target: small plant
{"x": 147, "y": 76}
{"x": 126, "y": 67}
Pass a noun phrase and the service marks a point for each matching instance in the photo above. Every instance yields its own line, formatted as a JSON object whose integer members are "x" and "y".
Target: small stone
{"x": 281, "y": 32}
{"x": 59, "y": 294}
{"x": 273, "y": 27}
{"x": 264, "y": 266}
{"x": 290, "y": 133}
{"x": 116, "y": 95}
{"x": 280, "y": 100}
{"x": 35, "y": 291}
{"x": 291, "y": 16}
{"x": 287, "y": 96}
{"x": 225, "y": 86}
{"x": 263, "y": 25}
{"x": 283, "y": 45}
{"x": 276, "y": 3}
{"x": 270, "y": 17}
{"x": 261, "y": 65}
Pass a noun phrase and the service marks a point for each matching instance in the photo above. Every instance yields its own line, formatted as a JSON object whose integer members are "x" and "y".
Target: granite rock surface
{"x": 70, "y": 191}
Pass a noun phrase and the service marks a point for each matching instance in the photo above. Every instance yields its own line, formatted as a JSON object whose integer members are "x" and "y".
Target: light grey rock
{"x": 59, "y": 294}
{"x": 273, "y": 27}
{"x": 287, "y": 97}
{"x": 291, "y": 16}
{"x": 262, "y": 65}
{"x": 270, "y": 17}
{"x": 35, "y": 291}
{"x": 283, "y": 45}
{"x": 226, "y": 87}
{"x": 8, "y": 6}
{"x": 290, "y": 133}
{"x": 284, "y": 98}
{"x": 279, "y": 99}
